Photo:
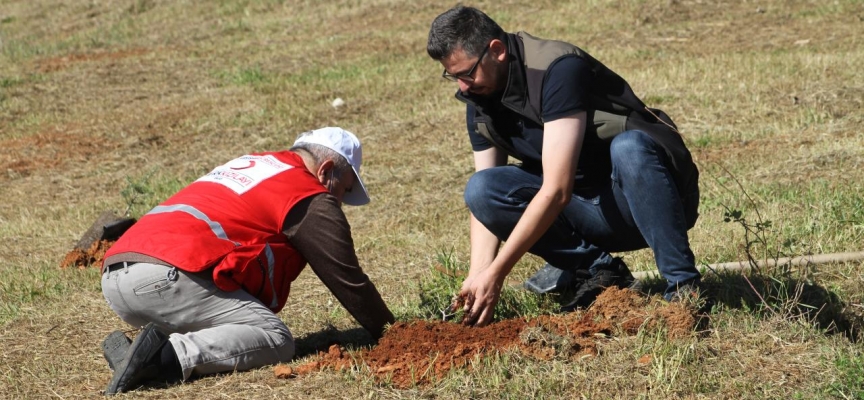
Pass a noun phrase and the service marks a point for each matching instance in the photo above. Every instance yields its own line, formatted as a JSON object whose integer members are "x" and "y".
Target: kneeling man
{"x": 206, "y": 271}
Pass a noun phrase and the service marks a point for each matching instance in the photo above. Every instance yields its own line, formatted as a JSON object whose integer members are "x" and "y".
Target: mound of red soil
{"x": 90, "y": 249}
{"x": 422, "y": 352}
{"x": 92, "y": 256}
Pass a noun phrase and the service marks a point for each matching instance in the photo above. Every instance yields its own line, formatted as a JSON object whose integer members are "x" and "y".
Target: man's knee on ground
{"x": 284, "y": 345}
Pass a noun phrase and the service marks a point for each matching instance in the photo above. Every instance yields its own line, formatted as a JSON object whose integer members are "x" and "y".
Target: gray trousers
{"x": 211, "y": 330}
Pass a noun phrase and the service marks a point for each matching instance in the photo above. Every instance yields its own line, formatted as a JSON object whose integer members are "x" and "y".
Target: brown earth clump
{"x": 53, "y": 64}
{"x": 422, "y": 352}
{"x": 102, "y": 234}
{"x": 92, "y": 256}
{"x": 335, "y": 358}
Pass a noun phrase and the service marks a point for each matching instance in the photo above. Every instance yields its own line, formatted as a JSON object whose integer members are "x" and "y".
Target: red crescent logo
{"x": 251, "y": 164}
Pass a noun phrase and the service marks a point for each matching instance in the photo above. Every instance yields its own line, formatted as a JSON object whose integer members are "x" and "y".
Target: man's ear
{"x": 324, "y": 170}
{"x": 498, "y": 50}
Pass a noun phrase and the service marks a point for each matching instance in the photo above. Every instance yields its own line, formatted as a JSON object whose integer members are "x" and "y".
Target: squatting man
{"x": 206, "y": 271}
{"x": 600, "y": 172}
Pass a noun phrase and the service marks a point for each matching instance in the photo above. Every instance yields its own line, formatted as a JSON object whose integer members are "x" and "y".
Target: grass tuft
{"x": 850, "y": 368}
{"x": 437, "y": 290}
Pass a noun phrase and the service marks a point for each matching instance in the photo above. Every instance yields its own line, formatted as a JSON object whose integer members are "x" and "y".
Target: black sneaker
{"x": 142, "y": 361}
{"x": 551, "y": 279}
{"x": 615, "y": 274}
{"x": 114, "y": 348}
{"x": 690, "y": 291}
{"x": 693, "y": 294}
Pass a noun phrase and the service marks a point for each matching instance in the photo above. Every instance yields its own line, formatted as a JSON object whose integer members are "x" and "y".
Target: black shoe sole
{"x": 582, "y": 303}
{"x": 550, "y": 279}
{"x": 114, "y": 348}
{"x": 135, "y": 367}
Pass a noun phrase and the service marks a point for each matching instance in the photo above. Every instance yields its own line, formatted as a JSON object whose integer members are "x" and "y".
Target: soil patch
{"x": 53, "y": 149}
{"x": 91, "y": 256}
{"x": 422, "y": 352}
{"x": 91, "y": 248}
{"x": 57, "y": 63}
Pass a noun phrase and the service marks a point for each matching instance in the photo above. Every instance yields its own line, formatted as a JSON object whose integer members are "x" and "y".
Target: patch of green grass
{"x": 511, "y": 375}
{"x": 229, "y": 8}
{"x": 9, "y": 82}
{"x": 656, "y": 100}
{"x": 828, "y": 8}
{"x": 444, "y": 281}
{"x": 41, "y": 283}
{"x": 669, "y": 362}
{"x": 850, "y": 369}
{"x": 26, "y": 48}
{"x": 141, "y": 6}
{"x": 330, "y": 75}
{"x": 236, "y": 28}
{"x": 835, "y": 211}
{"x": 6, "y": 82}
{"x": 811, "y": 116}
{"x": 146, "y": 191}
{"x": 248, "y": 76}
{"x": 702, "y": 141}
{"x": 115, "y": 35}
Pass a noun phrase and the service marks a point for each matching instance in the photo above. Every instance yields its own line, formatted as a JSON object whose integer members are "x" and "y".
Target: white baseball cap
{"x": 346, "y": 144}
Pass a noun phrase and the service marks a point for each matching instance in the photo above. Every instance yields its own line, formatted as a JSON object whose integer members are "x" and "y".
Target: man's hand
{"x": 480, "y": 294}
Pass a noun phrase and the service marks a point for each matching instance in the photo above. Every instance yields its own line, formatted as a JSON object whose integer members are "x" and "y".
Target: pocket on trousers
{"x": 521, "y": 196}
{"x": 155, "y": 286}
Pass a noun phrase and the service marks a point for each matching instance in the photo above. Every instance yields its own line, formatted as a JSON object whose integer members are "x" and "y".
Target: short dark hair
{"x": 465, "y": 27}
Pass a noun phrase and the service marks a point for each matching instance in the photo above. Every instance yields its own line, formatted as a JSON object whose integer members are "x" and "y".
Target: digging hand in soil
{"x": 455, "y": 304}
{"x": 480, "y": 293}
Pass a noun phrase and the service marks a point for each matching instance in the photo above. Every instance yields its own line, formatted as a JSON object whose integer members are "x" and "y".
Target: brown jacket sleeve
{"x": 318, "y": 229}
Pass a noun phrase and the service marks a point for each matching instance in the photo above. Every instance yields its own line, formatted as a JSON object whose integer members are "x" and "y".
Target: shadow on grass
{"x": 785, "y": 296}
{"x": 351, "y": 339}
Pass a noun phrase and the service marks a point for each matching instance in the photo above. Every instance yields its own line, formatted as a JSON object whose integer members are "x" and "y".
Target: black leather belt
{"x": 119, "y": 265}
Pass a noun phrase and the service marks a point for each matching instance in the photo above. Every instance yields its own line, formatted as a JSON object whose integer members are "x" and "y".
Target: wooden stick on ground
{"x": 794, "y": 261}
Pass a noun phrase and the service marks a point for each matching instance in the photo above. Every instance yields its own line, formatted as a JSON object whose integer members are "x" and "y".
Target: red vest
{"x": 231, "y": 220}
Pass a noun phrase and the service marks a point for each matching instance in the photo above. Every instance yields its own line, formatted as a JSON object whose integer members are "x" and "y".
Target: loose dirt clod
{"x": 87, "y": 257}
{"x": 284, "y": 372}
{"x": 91, "y": 248}
{"x": 422, "y": 352}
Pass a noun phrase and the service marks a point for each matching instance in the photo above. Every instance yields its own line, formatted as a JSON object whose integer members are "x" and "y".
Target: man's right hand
{"x": 480, "y": 294}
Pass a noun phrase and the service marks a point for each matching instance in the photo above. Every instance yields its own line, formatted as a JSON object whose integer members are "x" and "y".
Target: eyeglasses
{"x": 465, "y": 76}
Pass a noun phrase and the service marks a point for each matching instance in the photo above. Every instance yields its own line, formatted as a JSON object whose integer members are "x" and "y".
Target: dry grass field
{"x": 115, "y": 104}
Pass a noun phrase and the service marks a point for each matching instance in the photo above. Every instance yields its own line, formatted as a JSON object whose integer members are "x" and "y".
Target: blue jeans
{"x": 640, "y": 207}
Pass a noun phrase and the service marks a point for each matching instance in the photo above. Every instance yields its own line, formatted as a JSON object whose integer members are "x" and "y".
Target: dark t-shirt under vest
{"x": 565, "y": 92}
